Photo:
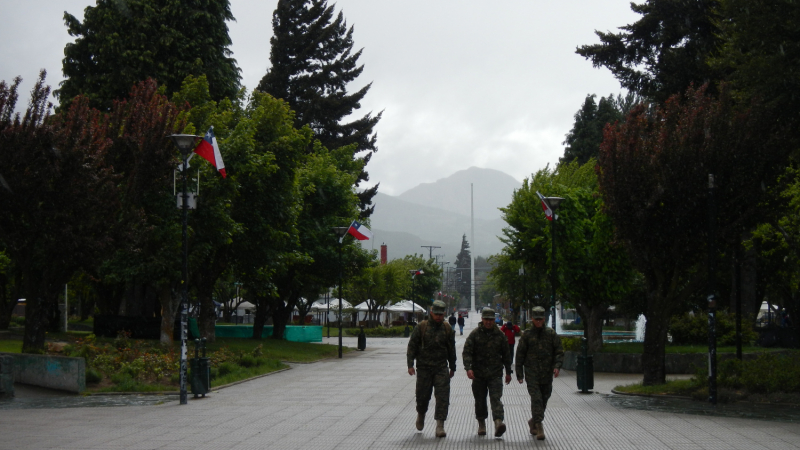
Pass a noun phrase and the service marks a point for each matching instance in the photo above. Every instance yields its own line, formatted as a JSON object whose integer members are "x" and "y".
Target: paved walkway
{"x": 366, "y": 401}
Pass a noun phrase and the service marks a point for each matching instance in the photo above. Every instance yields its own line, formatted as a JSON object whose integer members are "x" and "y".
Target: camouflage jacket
{"x": 539, "y": 352}
{"x": 486, "y": 352}
{"x": 436, "y": 349}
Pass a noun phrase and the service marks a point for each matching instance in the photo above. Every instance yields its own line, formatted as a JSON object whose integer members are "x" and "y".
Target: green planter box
{"x": 293, "y": 333}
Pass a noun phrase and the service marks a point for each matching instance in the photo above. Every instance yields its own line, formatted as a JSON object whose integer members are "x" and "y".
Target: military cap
{"x": 438, "y": 307}
{"x": 537, "y": 312}
{"x": 488, "y": 313}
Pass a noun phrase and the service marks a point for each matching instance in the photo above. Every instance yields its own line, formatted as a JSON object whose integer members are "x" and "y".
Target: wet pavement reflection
{"x": 772, "y": 412}
{"x": 33, "y": 397}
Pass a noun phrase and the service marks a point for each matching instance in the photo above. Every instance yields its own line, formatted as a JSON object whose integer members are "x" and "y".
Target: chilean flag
{"x": 209, "y": 150}
{"x": 359, "y": 231}
{"x": 546, "y": 208}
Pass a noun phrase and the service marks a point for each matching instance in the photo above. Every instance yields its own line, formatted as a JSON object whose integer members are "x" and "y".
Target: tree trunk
{"x": 262, "y": 312}
{"x": 207, "y": 319}
{"x": 655, "y": 338}
{"x": 593, "y": 326}
{"x": 169, "y": 309}
{"x": 280, "y": 318}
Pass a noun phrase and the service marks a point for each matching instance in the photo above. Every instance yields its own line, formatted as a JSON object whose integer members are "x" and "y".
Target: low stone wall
{"x": 677, "y": 363}
{"x": 54, "y": 372}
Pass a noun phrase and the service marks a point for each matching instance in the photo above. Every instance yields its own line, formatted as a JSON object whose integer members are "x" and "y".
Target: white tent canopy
{"x": 322, "y": 305}
{"x": 405, "y": 306}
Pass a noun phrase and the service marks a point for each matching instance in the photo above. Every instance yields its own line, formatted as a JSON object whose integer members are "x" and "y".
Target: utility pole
{"x": 430, "y": 249}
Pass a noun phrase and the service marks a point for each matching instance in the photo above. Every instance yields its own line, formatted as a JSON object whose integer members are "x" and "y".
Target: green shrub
{"x": 571, "y": 344}
{"x": 214, "y": 373}
{"x": 693, "y": 329}
{"x": 768, "y": 374}
{"x": 248, "y": 361}
{"x": 93, "y": 376}
{"x": 226, "y": 368}
{"x": 18, "y": 320}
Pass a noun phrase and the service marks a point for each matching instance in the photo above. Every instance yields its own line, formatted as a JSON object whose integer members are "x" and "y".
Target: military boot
{"x": 420, "y": 421}
{"x": 481, "y": 427}
{"x": 499, "y": 427}
{"x": 440, "y": 429}
{"x": 540, "y": 431}
{"x": 532, "y": 426}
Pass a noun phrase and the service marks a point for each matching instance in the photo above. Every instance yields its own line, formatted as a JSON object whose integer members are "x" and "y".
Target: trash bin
{"x": 585, "y": 369}
{"x": 201, "y": 370}
{"x": 362, "y": 339}
{"x": 407, "y": 331}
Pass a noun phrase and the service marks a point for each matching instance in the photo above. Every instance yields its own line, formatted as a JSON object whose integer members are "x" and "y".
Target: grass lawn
{"x": 10, "y": 346}
{"x": 275, "y": 349}
{"x": 673, "y": 387}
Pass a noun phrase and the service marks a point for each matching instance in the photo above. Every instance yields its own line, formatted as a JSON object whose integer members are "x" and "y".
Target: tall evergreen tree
{"x": 312, "y": 61}
{"x": 122, "y": 42}
{"x": 583, "y": 141}
{"x": 463, "y": 265}
{"x": 663, "y": 52}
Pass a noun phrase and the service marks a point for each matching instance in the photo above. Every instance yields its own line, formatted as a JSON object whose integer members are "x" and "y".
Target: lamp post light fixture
{"x": 185, "y": 143}
{"x": 553, "y": 203}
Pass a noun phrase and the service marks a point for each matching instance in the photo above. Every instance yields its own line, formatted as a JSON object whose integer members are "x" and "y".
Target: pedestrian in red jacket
{"x": 510, "y": 331}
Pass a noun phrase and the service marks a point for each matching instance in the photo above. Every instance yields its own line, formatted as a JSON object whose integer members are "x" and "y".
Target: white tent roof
{"x": 321, "y": 305}
{"x": 405, "y": 306}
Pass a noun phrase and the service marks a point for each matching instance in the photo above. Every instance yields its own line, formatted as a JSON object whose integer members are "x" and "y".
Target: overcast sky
{"x": 462, "y": 83}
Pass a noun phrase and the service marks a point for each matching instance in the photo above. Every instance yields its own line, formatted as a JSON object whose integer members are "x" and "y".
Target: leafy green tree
{"x": 378, "y": 285}
{"x": 120, "y": 43}
{"x": 327, "y": 199}
{"x": 312, "y": 62}
{"x": 663, "y": 52}
{"x": 593, "y": 271}
{"x": 8, "y": 293}
{"x": 653, "y": 174}
{"x": 58, "y": 197}
{"x": 422, "y": 288}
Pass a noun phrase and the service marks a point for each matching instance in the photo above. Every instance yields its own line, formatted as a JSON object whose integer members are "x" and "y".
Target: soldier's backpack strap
{"x": 422, "y": 327}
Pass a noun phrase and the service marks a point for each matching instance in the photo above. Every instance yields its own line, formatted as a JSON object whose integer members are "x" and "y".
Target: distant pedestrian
{"x": 433, "y": 345}
{"x": 452, "y": 320}
{"x": 511, "y": 332}
{"x": 461, "y": 325}
{"x": 485, "y": 355}
{"x": 539, "y": 359}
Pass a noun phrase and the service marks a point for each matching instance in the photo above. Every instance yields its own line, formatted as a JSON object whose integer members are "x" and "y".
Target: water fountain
{"x": 608, "y": 336}
{"x": 641, "y": 321}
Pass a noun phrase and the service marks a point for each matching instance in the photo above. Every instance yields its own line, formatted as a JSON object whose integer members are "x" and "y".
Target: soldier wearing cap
{"x": 539, "y": 358}
{"x": 433, "y": 345}
{"x": 485, "y": 355}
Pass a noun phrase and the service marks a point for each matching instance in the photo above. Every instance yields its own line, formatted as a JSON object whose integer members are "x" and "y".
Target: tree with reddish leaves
{"x": 653, "y": 172}
{"x": 148, "y": 226}
{"x": 57, "y": 196}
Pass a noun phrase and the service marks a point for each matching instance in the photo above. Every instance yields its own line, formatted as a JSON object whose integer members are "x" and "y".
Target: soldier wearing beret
{"x": 485, "y": 355}
{"x": 433, "y": 345}
{"x": 539, "y": 359}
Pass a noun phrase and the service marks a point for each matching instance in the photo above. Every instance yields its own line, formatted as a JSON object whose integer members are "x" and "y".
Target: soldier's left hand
{"x": 452, "y": 372}
{"x": 508, "y": 378}
{"x": 555, "y": 373}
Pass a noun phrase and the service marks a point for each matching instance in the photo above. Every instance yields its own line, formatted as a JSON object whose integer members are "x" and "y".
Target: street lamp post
{"x": 712, "y": 302}
{"x": 185, "y": 143}
{"x": 340, "y": 232}
{"x": 553, "y": 203}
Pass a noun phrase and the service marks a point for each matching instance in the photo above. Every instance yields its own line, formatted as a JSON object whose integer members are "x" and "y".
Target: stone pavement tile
{"x": 366, "y": 400}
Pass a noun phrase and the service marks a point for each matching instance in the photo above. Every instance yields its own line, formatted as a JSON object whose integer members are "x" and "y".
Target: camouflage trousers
{"x": 436, "y": 381}
{"x": 539, "y": 393}
{"x": 494, "y": 387}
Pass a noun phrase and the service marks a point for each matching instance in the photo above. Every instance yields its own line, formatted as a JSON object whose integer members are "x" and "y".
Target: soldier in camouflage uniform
{"x": 485, "y": 354}
{"x": 433, "y": 345}
{"x": 539, "y": 358}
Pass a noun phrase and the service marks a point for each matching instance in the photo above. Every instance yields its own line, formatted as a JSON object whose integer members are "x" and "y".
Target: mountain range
{"x": 438, "y": 214}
